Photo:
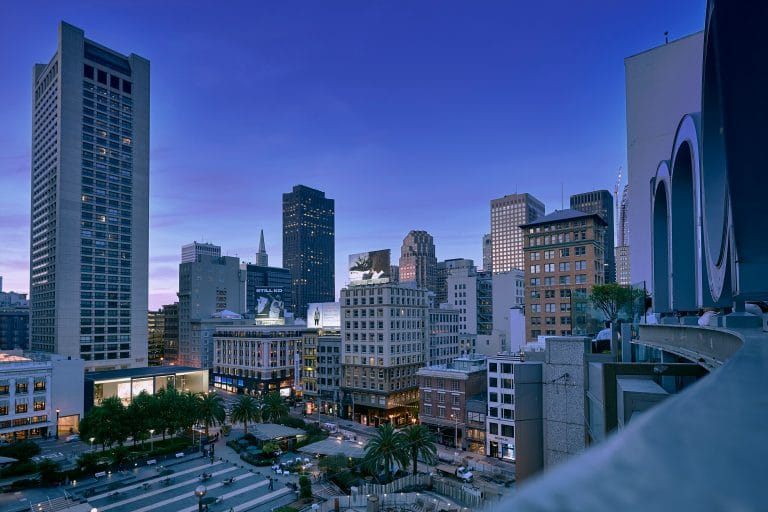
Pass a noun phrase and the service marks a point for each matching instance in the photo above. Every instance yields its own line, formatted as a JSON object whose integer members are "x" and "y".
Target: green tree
{"x": 611, "y": 298}
{"x": 139, "y": 416}
{"x": 418, "y": 440}
{"x": 246, "y": 410}
{"x": 334, "y": 464}
{"x": 169, "y": 403}
{"x": 385, "y": 448}
{"x": 88, "y": 462}
{"x": 305, "y": 487}
{"x": 210, "y": 409}
{"x": 274, "y": 407}
{"x": 93, "y": 426}
{"x": 48, "y": 471}
{"x": 270, "y": 448}
{"x": 114, "y": 418}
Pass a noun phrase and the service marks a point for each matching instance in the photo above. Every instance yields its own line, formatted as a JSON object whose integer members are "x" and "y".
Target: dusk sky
{"x": 411, "y": 115}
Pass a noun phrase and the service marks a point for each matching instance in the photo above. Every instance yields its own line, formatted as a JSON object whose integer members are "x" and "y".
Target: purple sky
{"x": 411, "y": 115}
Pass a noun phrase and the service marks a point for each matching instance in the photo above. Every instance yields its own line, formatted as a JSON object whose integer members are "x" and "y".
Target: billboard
{"x": 369, "y": 267}
{"x": 324, "y": 315}
{"x": 269, "y": 304}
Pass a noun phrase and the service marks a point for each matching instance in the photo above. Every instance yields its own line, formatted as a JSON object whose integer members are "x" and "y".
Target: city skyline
{"x": 451, "y": 98}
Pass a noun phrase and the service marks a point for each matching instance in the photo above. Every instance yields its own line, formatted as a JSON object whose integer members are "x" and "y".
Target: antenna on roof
{"x": 666, "y": 37}
{"x": 562, "y": 197}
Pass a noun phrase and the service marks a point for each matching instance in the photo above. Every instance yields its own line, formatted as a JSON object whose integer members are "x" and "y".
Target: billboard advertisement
{"x": 324, "y": 315}
{"x": 369, "y": 267}
{"x": 269, "y": 304}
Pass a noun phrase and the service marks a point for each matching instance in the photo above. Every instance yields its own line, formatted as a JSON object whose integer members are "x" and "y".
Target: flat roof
{"x": 335, "y": 446}
{"x": 149, "y": 371}
{"x": 268, "y": 431}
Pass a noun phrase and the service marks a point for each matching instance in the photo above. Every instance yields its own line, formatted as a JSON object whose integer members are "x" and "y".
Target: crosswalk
{"x": 229, "y": 487}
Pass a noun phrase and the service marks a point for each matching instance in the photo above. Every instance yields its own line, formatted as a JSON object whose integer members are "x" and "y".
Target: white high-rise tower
{"x": 90, "y": 204}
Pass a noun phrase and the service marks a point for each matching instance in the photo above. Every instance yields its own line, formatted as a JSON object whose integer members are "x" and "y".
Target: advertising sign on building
{"x": 369, "y": 267}
{"x": 269, "y": 304}
{"x": 324, "y": 315}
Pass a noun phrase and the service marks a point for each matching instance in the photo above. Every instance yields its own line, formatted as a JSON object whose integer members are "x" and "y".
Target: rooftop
{"x": 269, "y": 431}
{"x": 563, "y": 215}
{"x": 150, "y": 371}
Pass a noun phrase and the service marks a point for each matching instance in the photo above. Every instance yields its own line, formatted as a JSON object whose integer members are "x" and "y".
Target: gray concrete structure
{"x": 529, "y": 419}
{"x": 196, "y": 250}
{"x": 662, "y": 85}
{"x": 508, "y": 293}
{"x": 563, "y": 382}
{"x": 90, "y": 203}
{"x": 207, "y": 286}
{"x": 487, "y": 253}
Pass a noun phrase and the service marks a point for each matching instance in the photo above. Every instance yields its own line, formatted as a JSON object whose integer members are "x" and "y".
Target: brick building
{"x": 445, "y": 391}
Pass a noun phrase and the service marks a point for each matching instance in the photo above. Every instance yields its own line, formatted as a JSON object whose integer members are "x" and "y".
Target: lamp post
{"x": 200, "y": 491}
{"x": 92, "y": 440}
{"x": 151, "y": 440}
{"x": 58, "y": 411}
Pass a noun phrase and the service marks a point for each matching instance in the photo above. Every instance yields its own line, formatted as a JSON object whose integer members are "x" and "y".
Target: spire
{"x": 262, "y": 259}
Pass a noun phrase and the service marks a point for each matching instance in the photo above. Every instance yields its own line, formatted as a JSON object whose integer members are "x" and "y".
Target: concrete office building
{"x": 90, "y": 204}
{"x": 461, "y": 290}
{"x": 443, "y": 340}
{"x": 14, "y": 320}
{"x": 257, "y": 360}
{"x": 508, "y": 213}
{"x": 444, "y": 268}
{"x": 196, "y": 250}
{"x": 445, "y": 391}
{"x": 33, "y": 387}
{"x": 508, "y": 293}
{"x": 308, "y": 246}
{"x": 207, "y": 286}
{"x": 601, "y": 203}
{"x": 500, "y": 428}
{"x": 662, "y": 85}
{"x": 564, "y": 257}
{"x": 384, "y": 335}
{"x": 417, "y": 260}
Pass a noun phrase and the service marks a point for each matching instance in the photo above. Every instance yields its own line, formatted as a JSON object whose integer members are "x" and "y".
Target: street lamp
{"x": 151, "y": 440}
{"x": 200, "y": 491}
{"x": 58, "y": 411}
{"x": 92, "y": 440}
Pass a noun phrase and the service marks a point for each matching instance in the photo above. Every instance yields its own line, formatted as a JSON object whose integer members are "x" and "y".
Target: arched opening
{"x": 660, "y": 248}
{"x": 683, "y": 221}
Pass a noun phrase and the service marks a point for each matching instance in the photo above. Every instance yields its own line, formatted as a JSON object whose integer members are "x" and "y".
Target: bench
{"x": 151, "y": 462}
{"x": 179, "y": 455}
{"x": 100, "y": 474}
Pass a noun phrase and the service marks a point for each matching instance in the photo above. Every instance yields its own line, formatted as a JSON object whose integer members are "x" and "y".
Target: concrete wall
{"x": 528, "y": 420}
{"x": 563, "y": 391}
{"x": 663, "y": 84}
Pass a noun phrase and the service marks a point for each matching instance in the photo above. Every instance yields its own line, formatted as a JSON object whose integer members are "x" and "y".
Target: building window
{"x": 580, "y": 250}
{"x": 508, "y": 430}
{"x": 493, "y": 428}
{"x": 549, "y": 308}
{"x": 454, "y": 385}
{"x": 565, "y": 266}
{"x": 22, "y": 387}
{"x": 549, "y": 267}
{"x": 493, "y": 382}
{"x": 427, "y": 410}
{"x": 441, "y": 398}
{"x": 565, "y": 252}
{"x": 581, "y": 278}
{"x": 492, "y": 367}
{"x": 565, "y": 280}
{"x": 441, "y": 412}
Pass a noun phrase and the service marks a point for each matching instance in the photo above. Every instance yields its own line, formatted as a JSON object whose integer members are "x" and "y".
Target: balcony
{"x": 704, "y": 448}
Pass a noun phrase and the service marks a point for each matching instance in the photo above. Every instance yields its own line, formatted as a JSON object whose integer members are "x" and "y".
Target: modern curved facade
{"x": 708, "y": 199}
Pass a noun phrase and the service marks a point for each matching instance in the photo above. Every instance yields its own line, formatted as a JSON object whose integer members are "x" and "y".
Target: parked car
{"x": 72, "y": 438}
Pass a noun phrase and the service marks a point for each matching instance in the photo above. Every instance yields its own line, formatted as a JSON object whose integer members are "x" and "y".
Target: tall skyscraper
{"x": 262, "y": 259}
{"x": 417, "y": 260}
{"x": 90, "y": 204}
{"x": 663, "y": 84}
{"x": 601, "y": 203}
{"x": 622, "y": 249}
{"x": 192, "y": 252}
{"x": 508, "y": 213}
{"x": 308, "y": 246}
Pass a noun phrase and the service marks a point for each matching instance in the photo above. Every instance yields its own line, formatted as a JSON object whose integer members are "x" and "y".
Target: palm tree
{"x": 419, "y": 441}
{"x": 210, "y": 410}
{"x": 386, "y": 447}
{"x": 245, "y": 410}
{"x": 274, "y": 407}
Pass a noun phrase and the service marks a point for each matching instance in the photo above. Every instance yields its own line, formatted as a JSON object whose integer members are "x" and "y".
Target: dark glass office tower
{"x": 601, "y": 203}
{"x": 308, "y": 246}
